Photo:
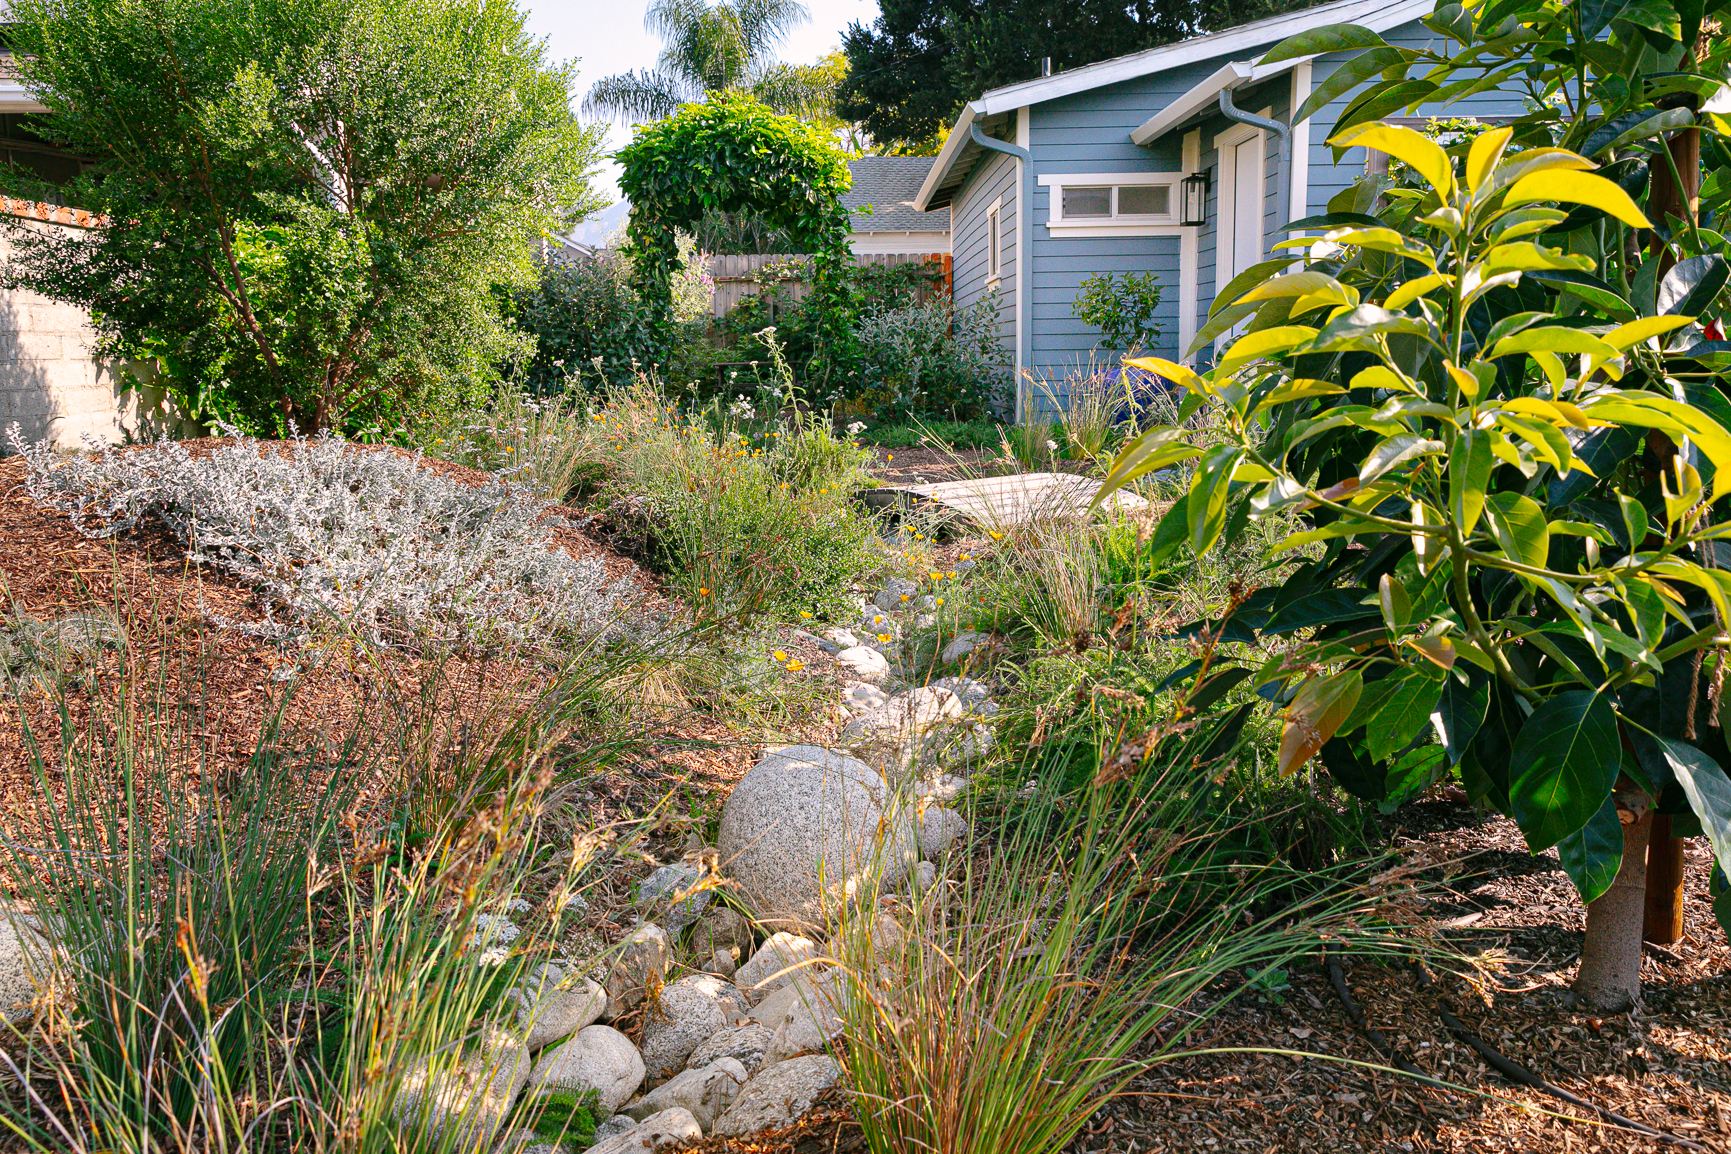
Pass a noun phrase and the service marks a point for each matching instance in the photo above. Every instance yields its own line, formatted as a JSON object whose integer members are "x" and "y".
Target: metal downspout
{"x": 1024, "y": 244}
{"x": 1231, "y": 111}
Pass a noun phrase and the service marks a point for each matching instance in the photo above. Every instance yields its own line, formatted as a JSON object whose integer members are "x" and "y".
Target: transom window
{"x": 1113, "y": 200}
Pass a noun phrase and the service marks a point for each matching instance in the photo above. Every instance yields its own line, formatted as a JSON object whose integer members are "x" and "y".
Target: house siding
{"x": 1089, "y": 132}
{"x": 993, "y": 181}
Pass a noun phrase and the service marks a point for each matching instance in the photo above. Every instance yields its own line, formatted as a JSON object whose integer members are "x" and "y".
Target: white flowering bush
{"x": 328, "y": 533}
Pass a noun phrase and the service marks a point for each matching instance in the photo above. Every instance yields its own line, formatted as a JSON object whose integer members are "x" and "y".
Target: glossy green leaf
{"x": 1328, "y": 38}
{"x": 1520, "y": 527}
{"x": 1692, "y": 285}
{"x": 1355, "y": 325}
{"x": 1209, "y": 489}
{"x": 1592, "y": 854}
{"x": 1397, "y": 450}
{"x": 1459, "y": 712}
{"x": 1412, "y": 775}
{"x": 1470, "y": 465}
{"x": 1396, "y": 607}
{"x": 1566, "y": 759}
{"x": 1148, "y": 453}
{"x": 1709, "y": 792}
{"x": 1349, "y": 76}
{"x": 1247, "y": 280}
{"x": 1394, "y": 710}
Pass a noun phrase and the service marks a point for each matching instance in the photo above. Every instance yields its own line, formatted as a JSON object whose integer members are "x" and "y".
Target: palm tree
{"x": 728, "y": 45}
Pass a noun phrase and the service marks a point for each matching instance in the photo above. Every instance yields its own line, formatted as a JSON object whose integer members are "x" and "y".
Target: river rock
{"x": 659, "y": 887}
{"x": 470, "y": 1099}
{"x": 892, "y": 736}
{"x": 960, "y": 646}
{"x": 862, "y": 663}
{"x": 897, "y": 593}
{"x": 641, "y": 965}
{"x": 721, "y": 929}
{"x": 745, "y": 1044}
{"x": 940, "y": 828}
{"x": 669, "y": 1127}
{"x": 775, "y": 963}
{"x": 597, "y": 1058}
{"x": 861, "y": 697}
{"x": 691, "y": 1010}
{"x": 554, "y": 1002}
{"x": 806, "y": 828}
{"x": 25, "y": 960}
{"x": 779, "y": 1095}
{"x": 707, "y": 1092}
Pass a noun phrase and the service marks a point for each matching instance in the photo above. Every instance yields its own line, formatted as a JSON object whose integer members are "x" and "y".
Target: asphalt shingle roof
{"x": 888, "y": 184}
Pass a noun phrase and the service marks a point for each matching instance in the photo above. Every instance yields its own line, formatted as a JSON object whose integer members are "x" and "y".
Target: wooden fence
{"x": 738, "y": 276}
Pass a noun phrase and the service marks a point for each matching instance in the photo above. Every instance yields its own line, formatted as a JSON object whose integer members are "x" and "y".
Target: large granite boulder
{"x": 807, "y": 829}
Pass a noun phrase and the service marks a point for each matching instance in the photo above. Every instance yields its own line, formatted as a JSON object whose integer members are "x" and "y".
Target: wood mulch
{"x": 1519, "y": 920}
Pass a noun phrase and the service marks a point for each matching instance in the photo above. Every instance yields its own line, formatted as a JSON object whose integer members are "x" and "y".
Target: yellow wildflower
{"x": 795, "y": 665}
{"x": 940, "y": 601}
{"x": 805, "y": 615}
{"x": 780, "y": 656}
{"x": 702, "y": 592}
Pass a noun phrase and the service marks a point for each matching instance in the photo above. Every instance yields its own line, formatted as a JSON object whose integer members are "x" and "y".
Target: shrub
{"x": 315, "y": 203}
{"x": 929, "y": 360}
{"x": 1122, "y": 307}
{"x": 589, "y": 322}
{"x": 743, "y": 521}
{"x": 369, "y": 539}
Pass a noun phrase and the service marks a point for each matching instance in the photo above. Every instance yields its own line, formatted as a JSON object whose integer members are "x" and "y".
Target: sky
{"x": 607, "y": 36}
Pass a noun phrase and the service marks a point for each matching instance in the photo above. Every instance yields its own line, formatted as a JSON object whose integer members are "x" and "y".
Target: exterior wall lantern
{"x": 1195, "y": 198}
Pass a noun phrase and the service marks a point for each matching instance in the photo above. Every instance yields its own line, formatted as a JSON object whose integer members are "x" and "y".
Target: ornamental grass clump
{"x": 369, "y": 541}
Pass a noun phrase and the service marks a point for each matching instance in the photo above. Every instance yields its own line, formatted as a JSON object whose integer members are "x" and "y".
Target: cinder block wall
{"x": 53, "y": 387}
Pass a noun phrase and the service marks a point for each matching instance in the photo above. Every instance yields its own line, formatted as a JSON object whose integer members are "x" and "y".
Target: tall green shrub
{"x": 308, "y": 205}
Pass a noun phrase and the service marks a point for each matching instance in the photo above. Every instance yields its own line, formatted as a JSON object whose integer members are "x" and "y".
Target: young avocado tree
{"x": 1496, "y": 394}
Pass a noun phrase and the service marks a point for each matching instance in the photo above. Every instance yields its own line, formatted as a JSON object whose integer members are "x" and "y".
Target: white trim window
{"x": 1113, "y": 203}
{"x": 994, "y": 242}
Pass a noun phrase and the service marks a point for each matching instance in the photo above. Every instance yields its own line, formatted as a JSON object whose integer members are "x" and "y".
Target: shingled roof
{"x": 889, "y": 184}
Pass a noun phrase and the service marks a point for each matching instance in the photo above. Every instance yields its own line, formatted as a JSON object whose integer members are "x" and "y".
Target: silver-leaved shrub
{"x": 368, "y": 540}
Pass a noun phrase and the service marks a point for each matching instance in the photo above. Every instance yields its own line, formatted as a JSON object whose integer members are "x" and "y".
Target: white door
{"x": 1246, "y": 222}
{"x": 1238, "y": 241}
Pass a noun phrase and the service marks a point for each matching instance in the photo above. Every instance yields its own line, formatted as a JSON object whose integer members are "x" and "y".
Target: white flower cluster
{"x": 741, "y": 409}
{"x": 325, "y": 530}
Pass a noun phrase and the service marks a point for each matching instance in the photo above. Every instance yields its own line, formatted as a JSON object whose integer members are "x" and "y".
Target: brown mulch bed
{"x": 1667, "y": 1065}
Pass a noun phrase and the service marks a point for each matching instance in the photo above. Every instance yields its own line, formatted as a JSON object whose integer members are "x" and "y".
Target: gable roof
{"x": 1248, "y": 41}
{"x": 889, "y": 184}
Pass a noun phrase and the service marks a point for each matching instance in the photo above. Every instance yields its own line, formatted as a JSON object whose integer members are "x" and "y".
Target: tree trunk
{"x": 1662, "y": 922}
{"x": 1609, "y": 979}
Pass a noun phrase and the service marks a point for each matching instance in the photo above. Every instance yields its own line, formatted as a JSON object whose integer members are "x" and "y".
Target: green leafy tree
{"x": 727, "y": 46}
{"x": 731, "y": 154}
{"x": 911, "y": 70}
{"x": 308, "y": 205}
{"x": 1499, "y": 394}
{"x": 1122, "y": 307}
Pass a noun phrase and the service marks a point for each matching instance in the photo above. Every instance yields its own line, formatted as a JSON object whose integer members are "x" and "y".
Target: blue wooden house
{"x": 1097, "y": 159}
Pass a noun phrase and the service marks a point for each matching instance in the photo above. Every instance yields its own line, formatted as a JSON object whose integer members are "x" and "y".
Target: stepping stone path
{"x": 998, "y": 501}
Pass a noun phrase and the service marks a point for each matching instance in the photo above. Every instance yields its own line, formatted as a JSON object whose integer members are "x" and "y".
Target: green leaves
{"x": 1567, "y": 757}
{"x": 1470, "y": 465}
{"x": 1709, "y": 792}
{"x": 1208, "y": 492}
{"x": 1395, "y": 710}
{"x": 1521, "y": 528}
{"x": 1329, "y": 38}
{"x": 1592, "y": 854}
{"x": 1692, "y": 285}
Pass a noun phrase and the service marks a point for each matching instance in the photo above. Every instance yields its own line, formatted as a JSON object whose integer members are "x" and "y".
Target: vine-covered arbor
{"x": 732, "y": 154}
